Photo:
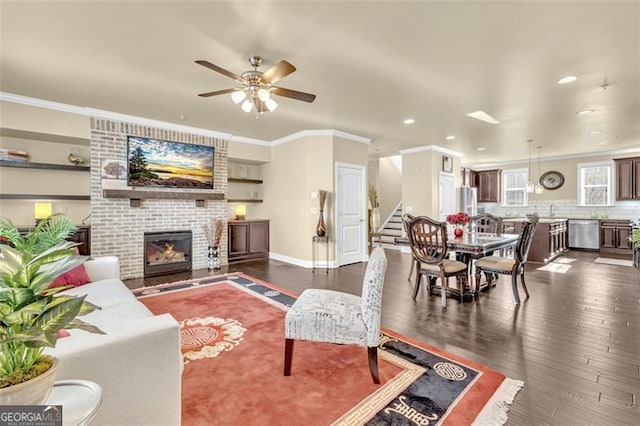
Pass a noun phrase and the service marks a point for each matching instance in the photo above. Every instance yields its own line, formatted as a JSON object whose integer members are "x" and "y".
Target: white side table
{"x": 80, "y": 400}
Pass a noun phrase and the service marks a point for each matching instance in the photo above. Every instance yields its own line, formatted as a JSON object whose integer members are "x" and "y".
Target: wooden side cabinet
{"x": 248, "y": 239}
{"x": 489, "y": 186}
{"x": 627, "y": 179}
{"x": 614, "y": 236}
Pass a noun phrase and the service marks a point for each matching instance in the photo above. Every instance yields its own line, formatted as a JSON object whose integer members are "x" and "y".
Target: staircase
{"x": 392, "y": 229}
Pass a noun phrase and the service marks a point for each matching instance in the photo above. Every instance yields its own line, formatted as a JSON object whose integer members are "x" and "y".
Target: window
{"x": 514, "y": 192}
{"x": 595, "y": 184}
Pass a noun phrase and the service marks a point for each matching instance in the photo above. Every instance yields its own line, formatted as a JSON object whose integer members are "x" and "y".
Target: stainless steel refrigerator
{"x": 468, "y": 200}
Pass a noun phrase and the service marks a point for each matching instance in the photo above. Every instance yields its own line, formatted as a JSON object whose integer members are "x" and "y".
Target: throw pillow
{"x": 76, "y": 277}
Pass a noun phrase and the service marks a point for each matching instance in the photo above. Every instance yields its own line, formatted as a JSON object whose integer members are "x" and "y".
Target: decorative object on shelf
{"x": 552, "y": 180}
{"x": 447, "y": 164}
{"x": 10, "y": 154}
{"x": 459, "y": 220}
{"x": 530, "y": 186}
{"x": 213, "y": 235}
{"x": 113, "y": 169}
{"x": 538, "y": 189}
{"x": 41, "y": 211}
{"x": 321, "y": 228}
{"x": 34, "y": 315}
{"x": 76, "y": 157}
{"x": 241, "y": 212}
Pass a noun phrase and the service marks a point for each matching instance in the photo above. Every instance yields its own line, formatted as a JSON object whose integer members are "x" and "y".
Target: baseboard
{"x": 300, "y": 262}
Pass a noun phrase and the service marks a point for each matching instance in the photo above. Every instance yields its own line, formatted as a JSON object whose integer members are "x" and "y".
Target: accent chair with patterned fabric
{"x": 330, "y": 316}
{"x": 428, "y": 241}
{"x": 508, "y": 266}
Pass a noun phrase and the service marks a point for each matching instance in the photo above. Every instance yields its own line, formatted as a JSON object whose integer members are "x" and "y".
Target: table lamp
{"x": 241, "y": 211}
{"x": 42, "y": 211}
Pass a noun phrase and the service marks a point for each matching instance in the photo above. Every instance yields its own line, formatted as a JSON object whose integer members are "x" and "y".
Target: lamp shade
{"x": 241, "y": 211}
{"x": 42, "y": 210}
{"x": 238, "y": 96}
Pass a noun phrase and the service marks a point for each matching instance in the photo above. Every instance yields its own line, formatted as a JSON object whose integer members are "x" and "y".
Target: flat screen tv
{"x": 160, "y": 163}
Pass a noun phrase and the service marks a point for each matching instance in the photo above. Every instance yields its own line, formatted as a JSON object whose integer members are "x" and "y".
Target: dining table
{"x": 473, "y": 245}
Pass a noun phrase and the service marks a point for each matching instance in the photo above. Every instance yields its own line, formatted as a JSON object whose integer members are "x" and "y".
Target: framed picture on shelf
{"x": 447, "y": 164}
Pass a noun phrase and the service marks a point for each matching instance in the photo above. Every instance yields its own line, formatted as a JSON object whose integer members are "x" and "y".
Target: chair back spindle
{"x": 428, "y": 239}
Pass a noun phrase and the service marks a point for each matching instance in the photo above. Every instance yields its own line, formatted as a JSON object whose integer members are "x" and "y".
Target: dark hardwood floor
{"x": 575, "y": 342}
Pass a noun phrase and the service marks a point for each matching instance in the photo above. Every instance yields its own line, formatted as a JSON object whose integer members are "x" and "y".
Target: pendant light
{"x": 530, "y": 185}
{"x": 538, "y": 188}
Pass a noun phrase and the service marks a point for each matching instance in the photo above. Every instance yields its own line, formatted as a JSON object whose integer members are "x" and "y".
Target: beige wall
{"x": 42, "y": 181}
{"x": 249, "y": 153}
{"x": 417, "y": 182}
{"x": 389, "y": 188}
{"x": 41, "y": 120}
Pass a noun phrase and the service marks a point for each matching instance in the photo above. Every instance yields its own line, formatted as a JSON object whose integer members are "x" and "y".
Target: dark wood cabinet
{"x": 614, "y": 236}
{"x": 549, "y": 241}
{"x": 248, "y": 239}
{"x": 469, "y": 177}
{"x": 489, "y": 186}
{"x": 627, "y": 178}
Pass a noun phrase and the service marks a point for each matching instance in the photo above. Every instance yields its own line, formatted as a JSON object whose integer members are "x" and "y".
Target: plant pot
{"x": 32, "y": 392}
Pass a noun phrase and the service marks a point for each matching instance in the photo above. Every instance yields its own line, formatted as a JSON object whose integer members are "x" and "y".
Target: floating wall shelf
{"x": 243, "y": 200}
{"x": 43, "y": 166}
{"x": 241, "y": 180}
{"x": 43, "y": 197}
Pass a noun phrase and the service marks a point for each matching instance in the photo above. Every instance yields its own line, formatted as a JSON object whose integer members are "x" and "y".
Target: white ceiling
{"x": 371, "y": 64}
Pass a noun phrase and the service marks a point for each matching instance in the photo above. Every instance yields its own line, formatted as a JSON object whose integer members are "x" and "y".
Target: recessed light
{"x": 450, "y": 138}
{"x": 584, "y": 111}
{"x": 601, "y": 143}
{"x": 567, "y": 79}
{"x": 409, "y": 121}
{"x": 482, "y": 148}
{"x": 595, "y": 132}
{"x": 483, "y": 116}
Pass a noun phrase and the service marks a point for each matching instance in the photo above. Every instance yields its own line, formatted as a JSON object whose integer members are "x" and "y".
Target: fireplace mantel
{"x": 136, "y": 196}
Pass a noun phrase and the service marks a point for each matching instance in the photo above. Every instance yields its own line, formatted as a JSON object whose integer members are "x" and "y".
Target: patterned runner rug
{"x": 233, "y": 350}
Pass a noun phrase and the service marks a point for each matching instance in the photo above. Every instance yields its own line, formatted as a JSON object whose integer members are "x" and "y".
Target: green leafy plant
{"x": 635, "y": 237}
{"x": 47, "y": 233}
{"x": 31, "y": 313}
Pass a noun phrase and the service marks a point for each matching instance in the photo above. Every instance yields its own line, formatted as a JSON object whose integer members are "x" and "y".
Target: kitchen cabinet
{"x": 627, "y": 178}
{"x": 614, "y": 236}
{"x": 248, "y": 239}
{"x": 550, "y": 238}
{"x": 469, "y": 177}
{"x": 489, "y": 186}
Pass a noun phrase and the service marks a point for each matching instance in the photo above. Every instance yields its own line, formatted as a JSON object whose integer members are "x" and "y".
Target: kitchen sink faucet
{"x": 552, "y": 208}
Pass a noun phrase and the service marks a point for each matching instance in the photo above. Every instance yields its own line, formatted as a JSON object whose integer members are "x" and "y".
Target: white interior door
{"x": 447, "y": 195}
{"x": 351, "y": 233}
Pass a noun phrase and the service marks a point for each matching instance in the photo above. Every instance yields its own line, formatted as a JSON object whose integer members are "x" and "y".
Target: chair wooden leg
{"x": 524, "y": 285}
{"x": 514, "y": 285}
{"x": 417, "y": 286}
{"x": 413, "y": 266}
{"x": 443, "y": 292}
{"x": 288, "y": 353}
{"x": 373, "y": 364}
{"x": 476, "y": 284}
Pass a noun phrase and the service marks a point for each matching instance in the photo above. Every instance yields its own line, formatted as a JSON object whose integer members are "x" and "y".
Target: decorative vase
{"x": 321, "y": 228}
{"x": 375, "y": 220}
{"x": 458, "y": 231}
{"x": 32, "y": 392}
{"x": 213, "y": 257}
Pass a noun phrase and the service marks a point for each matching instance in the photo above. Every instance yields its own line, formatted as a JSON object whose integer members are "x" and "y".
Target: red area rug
{"x": 233, "y": 347}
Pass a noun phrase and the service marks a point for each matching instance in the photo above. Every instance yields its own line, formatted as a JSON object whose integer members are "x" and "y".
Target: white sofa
{"x": 137, "y": 363}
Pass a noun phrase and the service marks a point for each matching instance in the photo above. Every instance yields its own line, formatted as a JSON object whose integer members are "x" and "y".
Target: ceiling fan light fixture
{"x": 247, "y": 106}
{"x": 264, "y": 95}
{"x": 271, "y": 104}
{"x": 238, "y": 96}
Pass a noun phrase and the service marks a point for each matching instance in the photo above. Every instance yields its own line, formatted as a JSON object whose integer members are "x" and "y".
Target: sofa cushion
{"x": 76, "y": 277}
{"x": 103, "y": 293}
{"x": 115, "y": 317}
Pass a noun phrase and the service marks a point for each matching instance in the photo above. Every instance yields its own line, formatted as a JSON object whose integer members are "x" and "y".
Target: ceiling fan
{"x": 257, "y": 86}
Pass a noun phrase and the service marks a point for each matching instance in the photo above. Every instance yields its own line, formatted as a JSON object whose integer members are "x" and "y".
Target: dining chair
{"x": 332, "y": 316}
{"x": 428, "y": 241}
{"x": 406, "y": 218}
{"x": 510, "y": 266}
{"x": 485, "y": 222}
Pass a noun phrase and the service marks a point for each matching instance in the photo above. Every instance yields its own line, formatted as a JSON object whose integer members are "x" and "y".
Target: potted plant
{"x": 31, "y": 313}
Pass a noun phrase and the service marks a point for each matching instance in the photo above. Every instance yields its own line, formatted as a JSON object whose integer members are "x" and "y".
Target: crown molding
{"x": 436, "y": 148}
{"x": 251, "y": 141}
{"x": 327, "y": 132}
{"x": 41, "y": 103}
{"x": 556, "y": 158}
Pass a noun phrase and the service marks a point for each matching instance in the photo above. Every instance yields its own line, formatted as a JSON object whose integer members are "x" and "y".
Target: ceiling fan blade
{"x": 277, "y": 72}
{"x": 222, "y": 71}
{"x": 293, "y": 94}
{"x": 217, "y": 92}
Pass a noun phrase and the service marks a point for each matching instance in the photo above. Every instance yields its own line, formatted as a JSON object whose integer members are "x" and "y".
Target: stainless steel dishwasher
{"x": 584, "y": 234}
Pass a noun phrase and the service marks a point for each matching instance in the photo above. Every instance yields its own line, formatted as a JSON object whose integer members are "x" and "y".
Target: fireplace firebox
{"x": 166, "y": 252}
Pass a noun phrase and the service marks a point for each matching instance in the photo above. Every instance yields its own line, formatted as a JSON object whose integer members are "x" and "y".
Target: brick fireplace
{"x": 118, "y": 229}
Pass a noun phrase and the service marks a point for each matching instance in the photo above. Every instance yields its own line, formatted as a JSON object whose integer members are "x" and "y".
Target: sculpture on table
{"x": 321, "y": 228}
